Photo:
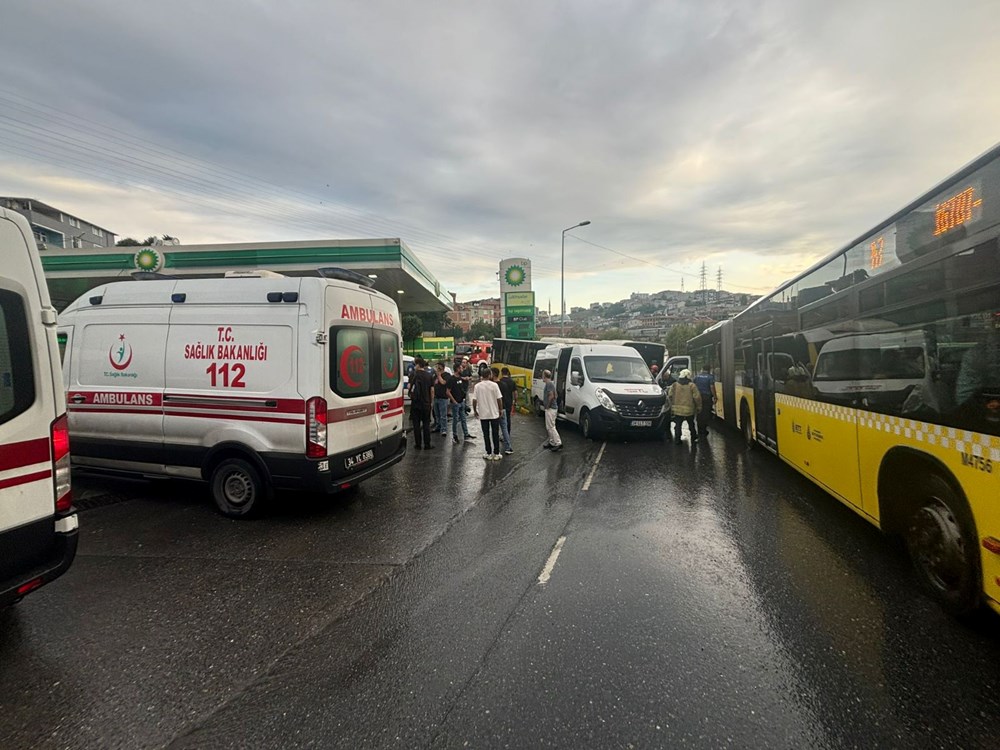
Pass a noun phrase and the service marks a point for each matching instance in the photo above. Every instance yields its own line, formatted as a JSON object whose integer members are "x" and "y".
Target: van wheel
{"x": 747, "y": 425}
{"x": 238, "y": 488}
{"x": 942, "y": 544}
{"x": 539, "y": 411}
{"x": 587, "y": 426}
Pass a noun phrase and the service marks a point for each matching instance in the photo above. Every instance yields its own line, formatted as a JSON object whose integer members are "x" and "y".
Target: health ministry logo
{"x": 120, "y": 354}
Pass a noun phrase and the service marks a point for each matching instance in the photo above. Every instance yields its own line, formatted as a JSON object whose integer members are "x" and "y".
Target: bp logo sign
{"x": 148, "y": 259}
{"x": 515, "y": 275}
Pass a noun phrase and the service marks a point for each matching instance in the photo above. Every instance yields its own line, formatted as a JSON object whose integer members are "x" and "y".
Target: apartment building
{"x": 56, "y": 228}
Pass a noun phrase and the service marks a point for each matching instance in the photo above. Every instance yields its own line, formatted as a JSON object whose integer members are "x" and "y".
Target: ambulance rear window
{"x": 389, "y": 357}
{"x": 17, "y": 379}
{"x": 352, "y": 360}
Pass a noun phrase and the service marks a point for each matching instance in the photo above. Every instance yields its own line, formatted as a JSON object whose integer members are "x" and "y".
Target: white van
{"x": 38, "y": 527}
{"x": 248, "y": 383}
{"x": 606, "y": 388}
{"x": 894, "y": 372}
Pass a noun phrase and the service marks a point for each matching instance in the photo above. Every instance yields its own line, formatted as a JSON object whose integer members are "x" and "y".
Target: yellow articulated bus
{"x": 876, "y": 373}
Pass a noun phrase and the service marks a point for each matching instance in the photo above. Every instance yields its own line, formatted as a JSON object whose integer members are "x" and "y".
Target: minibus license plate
{"x": 642, "y": 423}
{"x": 361, "y": 458}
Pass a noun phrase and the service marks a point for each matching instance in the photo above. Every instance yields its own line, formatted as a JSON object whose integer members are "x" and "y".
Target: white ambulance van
{"x": 38, "y": 527}
{"x": 250, "y": 383}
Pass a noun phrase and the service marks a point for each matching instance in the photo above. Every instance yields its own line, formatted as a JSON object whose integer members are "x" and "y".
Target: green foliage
{"x": 483, "y": 331}
{"x": 577, "y": 332}
{"x": 678, "y": 336}
{"x": 413, "y": 326}
{"x": 612, "y": 334}
{"x": 436, "y": 322}
{"x": 616, "y": 309}
{"x": 128, "y": 242}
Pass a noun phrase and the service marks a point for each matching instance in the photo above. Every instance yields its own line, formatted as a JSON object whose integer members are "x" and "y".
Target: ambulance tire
{"x": 238, "y": 488}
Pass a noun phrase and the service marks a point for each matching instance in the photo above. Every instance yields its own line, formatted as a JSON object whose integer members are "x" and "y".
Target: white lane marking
{"x": 590, "y": 476}
{"x": 543, "y": 577}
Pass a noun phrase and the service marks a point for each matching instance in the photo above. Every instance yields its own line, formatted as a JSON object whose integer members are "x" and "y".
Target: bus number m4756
{"x": 977, "y": 462}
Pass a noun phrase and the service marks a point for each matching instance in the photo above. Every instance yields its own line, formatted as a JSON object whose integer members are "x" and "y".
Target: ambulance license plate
{"x": 642, "y": 422}
{"x": 362, "y": 458}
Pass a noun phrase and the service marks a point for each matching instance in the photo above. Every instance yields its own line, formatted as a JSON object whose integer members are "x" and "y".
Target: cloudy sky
{"x": 751, "y": 135}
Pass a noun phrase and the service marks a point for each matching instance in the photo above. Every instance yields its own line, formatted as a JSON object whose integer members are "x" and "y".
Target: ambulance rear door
{"x": 351, "y": 379}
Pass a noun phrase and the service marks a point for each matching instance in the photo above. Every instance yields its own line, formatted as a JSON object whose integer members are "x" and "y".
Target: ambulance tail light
{"x": 316, "y": 427}
{"x": 60, "y": 464}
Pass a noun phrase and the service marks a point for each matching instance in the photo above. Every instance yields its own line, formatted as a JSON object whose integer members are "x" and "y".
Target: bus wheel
{"x": 941, "y": 541}
{"x": 746, "y": 425}
{"x": 238, "y": 488}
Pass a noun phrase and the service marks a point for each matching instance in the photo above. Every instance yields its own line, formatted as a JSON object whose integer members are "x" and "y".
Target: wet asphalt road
{"x": 702, "y": 597}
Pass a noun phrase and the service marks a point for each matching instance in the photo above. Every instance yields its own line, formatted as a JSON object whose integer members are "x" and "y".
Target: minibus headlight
{"x": 605, "y": 400}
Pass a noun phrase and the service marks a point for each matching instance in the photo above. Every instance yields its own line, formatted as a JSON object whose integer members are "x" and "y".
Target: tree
{"x": 435, "y": 321}
{"x": 128, "y": 242}
{"x": 413, "y": 326}
{"x": 577, "y": 332}
{"x": 678, "y": 336}
{"x": 483, "y": 331}
{"x": 612, "y": 334}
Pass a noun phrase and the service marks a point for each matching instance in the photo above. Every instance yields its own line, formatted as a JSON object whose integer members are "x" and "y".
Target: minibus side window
{"x": 17, "y": 379}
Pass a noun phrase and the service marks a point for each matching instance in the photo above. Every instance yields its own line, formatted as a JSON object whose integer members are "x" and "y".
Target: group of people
{"x": 438, "y": 394}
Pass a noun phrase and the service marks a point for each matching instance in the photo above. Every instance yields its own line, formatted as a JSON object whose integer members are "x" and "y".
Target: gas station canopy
{"x": 393, "y": 267}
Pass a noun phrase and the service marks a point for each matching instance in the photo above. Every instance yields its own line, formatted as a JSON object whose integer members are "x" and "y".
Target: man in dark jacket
{"x": 421, "y": 398}
{"x": 705, "y": 382}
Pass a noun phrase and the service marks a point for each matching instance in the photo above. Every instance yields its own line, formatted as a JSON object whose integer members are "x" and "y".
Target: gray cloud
{"x": 754, "y": 135}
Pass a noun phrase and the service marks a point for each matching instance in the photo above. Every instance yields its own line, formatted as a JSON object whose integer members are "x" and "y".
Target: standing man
{"x": 421, "y": 396}
{"x": 441, "y": 398}
{"x": 685, "y": 403}
{"x": 508, "y": 389}
{"x": 487, "y": 402}
{"x": 456, "y": 396}
{"x": 551, "y": 403}
{"x": 705, "y": 383}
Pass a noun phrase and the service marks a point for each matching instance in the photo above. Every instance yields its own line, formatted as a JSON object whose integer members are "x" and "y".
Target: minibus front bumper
{"x": 606, "y": 420}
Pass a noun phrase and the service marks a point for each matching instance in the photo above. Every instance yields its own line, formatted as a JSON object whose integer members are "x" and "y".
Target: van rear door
{"x": 28, "y": 398}
{"x": 352, "y": 413}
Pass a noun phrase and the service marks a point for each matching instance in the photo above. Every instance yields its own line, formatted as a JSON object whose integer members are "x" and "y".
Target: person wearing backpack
{"x": 685, "y": 402}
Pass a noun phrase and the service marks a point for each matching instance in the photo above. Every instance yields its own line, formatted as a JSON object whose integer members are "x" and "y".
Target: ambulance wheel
{"x": 238, "y": 488}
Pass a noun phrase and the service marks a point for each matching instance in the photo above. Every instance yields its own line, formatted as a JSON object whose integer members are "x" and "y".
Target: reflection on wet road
{"x": 688, "y": 595}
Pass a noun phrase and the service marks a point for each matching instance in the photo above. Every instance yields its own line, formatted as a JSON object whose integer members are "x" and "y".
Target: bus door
{"x": 764, "y": 386}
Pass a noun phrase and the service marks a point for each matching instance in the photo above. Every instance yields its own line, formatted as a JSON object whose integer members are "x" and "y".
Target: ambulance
{"x": 38, "y": 526}
{"x": 252, "y": 383}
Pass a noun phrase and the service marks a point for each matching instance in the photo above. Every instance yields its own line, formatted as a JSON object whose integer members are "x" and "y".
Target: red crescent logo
{"x": 124, "y": 364}
{"x": 344, "y": 359}
{"x": 389, "y": 364}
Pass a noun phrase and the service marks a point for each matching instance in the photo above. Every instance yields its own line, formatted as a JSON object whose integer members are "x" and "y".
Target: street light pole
{"x": 562, "y": 282}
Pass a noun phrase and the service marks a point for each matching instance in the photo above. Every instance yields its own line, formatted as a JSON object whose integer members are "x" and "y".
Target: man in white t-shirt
{"x": 487, "y": 403}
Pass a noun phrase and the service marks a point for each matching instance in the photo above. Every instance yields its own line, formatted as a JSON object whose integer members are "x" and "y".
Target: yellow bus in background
{"x": 876, "y": 373}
